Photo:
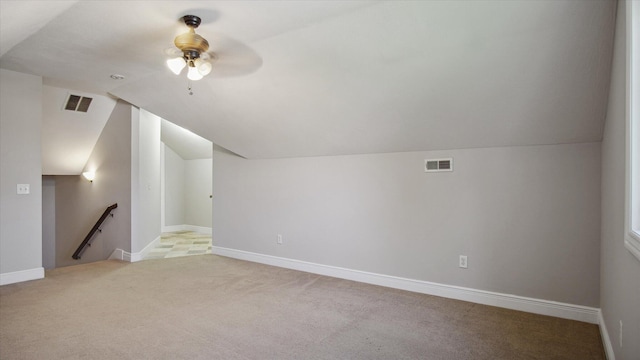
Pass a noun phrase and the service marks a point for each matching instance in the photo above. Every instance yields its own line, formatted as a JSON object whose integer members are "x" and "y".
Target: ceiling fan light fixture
{"x": 194, "y": 74}
{"x": 204, "y": 67}
{"x": 176, "y": 65}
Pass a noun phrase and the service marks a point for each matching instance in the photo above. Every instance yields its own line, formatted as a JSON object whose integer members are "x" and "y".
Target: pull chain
{"x": 189, "y": 87}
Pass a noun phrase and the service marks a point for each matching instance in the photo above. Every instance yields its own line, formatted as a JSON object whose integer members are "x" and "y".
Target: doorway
{"x": 186, "y": 193}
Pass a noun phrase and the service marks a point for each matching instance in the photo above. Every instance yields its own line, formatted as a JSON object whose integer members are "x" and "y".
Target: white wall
{"x": 198, "y": 189}
{"x": 20, "y": 163}
{"x": 145, "y": 180}
{"x": 620, "y": 271}
{"x": 174, "y": 169}
{"x": 527, "y": 217}
{"x": 49, "y": 222}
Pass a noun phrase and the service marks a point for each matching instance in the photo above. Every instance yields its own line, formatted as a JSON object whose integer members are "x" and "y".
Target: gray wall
{"x": 80, "y": 203}
{"x": 198, "y": 188}
{"x": 527, "y": 217}
{"x": 174, "y": 168}
{"x": 49, "y": 222}
{"x": 145, "y": 179}
{"x": 620, "y": 271}
{"x": 20, "y": 163}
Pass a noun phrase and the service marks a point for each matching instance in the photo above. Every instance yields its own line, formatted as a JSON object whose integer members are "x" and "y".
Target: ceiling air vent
{"x": 436, "y": 165}
{"x": 78, "y": 103}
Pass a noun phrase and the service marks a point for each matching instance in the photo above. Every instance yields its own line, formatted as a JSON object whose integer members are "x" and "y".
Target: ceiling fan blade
{"x": 173, "y": 51}
{"x": 231, "y": 58}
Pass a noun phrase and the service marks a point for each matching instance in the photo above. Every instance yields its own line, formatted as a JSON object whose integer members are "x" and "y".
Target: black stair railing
{"x": 96, "y": 227}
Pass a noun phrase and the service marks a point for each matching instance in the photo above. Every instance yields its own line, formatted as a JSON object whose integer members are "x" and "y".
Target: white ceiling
{"x": 311, "y": 78}
{"x": 186, "y": 144}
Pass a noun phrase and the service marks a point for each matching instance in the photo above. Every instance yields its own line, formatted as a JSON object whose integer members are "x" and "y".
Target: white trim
{"x": 632, "y": 168}
{"x": 199, "y": 229}
{"x": 162, "y": 185}
{"x": 629, "y": 243}
{"x": 119, "y": 254}
{"x": 135, "y": 257}
{"x": 22, "y": 275}
{"x": 142, "y": 253}
{"x": 185, "y": 227}
{"x": 606, "y": 341}
{"x": 508, "y": 301}
{"x": 172, "y": 228}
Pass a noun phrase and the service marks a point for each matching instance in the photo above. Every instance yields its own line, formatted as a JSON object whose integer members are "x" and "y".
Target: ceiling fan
{"x": 191, "y": 51}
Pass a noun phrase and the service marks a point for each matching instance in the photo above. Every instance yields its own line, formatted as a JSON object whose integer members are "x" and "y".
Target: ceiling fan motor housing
{"x": 190, "y": 43}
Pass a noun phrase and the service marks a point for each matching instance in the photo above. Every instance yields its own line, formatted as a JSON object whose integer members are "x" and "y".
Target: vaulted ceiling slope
{"x": 312, "y": 78}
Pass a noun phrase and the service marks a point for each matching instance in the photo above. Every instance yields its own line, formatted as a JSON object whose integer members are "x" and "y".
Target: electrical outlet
{"x": 463, "y": 261}
{"x": 279, "y": 240}
{"x": 23, "y": 189}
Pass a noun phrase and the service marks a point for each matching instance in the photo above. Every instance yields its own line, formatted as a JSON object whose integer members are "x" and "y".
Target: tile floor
{"x": 181, "y": 243}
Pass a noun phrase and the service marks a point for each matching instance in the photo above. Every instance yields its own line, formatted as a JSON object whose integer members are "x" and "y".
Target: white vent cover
{"x": 437, "y": 165}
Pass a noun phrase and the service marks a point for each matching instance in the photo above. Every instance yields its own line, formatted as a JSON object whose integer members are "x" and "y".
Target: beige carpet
{"x": 210, "y": 307}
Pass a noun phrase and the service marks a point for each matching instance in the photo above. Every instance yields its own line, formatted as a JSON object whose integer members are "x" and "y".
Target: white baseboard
{"x": 119, "y": 254}
{"x": 199, "y": 229}
{"x": 514, "y": 302}
{"x": 606, "y": 340}
{"x": 142, "y": 253}
{"x": 173, "y": 228}
{"x": 185, "y": 227}
{"x": 22, "y": 275}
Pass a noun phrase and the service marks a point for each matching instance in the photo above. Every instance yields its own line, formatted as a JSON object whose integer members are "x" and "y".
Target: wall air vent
{"x": 78, "y": 103}
{"x": 437, "y": 165}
